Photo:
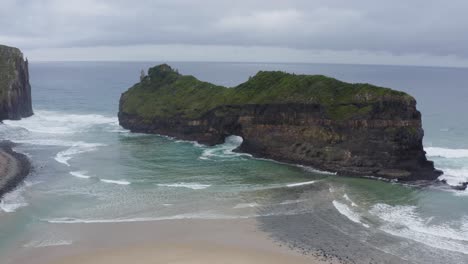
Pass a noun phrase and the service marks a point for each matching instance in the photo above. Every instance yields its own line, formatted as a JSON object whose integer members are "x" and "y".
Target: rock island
{"x": 313, "y": 120}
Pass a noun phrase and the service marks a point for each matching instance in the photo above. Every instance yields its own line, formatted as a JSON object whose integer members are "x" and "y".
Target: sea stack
{"x": 15, "y": 90}
{"x": 314, "y": 120}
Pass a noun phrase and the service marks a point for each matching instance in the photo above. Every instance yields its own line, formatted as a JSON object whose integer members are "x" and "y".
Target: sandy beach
{"x": 169, "y": 241}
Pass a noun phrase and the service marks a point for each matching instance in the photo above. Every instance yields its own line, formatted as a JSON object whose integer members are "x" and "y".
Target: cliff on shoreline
{"x": 15, "y": 90}
{"x": 351, "y": 129}
{"x": 15, "y": 103}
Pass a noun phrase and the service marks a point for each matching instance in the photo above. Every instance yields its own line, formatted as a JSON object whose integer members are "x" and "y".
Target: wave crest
{"x": 446, "y": 152}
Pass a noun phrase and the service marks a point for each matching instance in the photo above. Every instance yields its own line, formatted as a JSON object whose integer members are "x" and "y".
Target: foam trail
{"x": 245, "y": 205}
{"x": 201, "y": 215}
{"x": 194, "y": 143}
{"x": 80, "y": 174}
{"x": 225, "y": 150}
{"x": 454, "y": 177}
{"x": 349, "y": 200}
{"x": 300, "y": 184}
{"x": 193, "y": 186}
{"x": 68, "y": 220}
{"x": 348, "y": 213}
{"x": 12, "y": 201}
{"x": 47, "y": 142}
{"x": 51, "y": 122}
{"x": 446, "y": 152}
{"x": 119, "y": 182}
{"x": 310, "y": 169}
{"x": 77, "y": 148}
{"x": 292, "y": 201}
{"x": 404, "y": 221}
{"x": 47, "y": 243}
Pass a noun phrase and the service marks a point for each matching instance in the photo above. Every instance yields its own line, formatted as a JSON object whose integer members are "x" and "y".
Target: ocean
{"x": 87, "y": 169}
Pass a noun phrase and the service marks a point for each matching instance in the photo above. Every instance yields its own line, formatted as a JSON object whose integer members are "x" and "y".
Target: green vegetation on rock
{"x": 8, "y": 57}
{"x": 165, "y": 93}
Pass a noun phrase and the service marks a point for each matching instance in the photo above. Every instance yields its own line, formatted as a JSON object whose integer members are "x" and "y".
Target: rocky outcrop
{"x": 15, "y": 90}
{"x": 14, "y": 167}
{"x": 351, "y": 129}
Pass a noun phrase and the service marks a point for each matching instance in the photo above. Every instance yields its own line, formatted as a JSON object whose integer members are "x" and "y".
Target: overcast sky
{"x": 415, "y": 32}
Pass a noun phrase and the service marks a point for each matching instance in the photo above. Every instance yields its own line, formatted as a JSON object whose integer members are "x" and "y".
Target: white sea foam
{"x": 310, "y": 169}
{"x": 193, "y": 186}
{"x": 245, "y": 205}
{"x": 454, "y": 177}
{"x": 446, "y": 152}
{"x": 225, "y": 150}
{"x": 71, "y": 220}
{"x": 349, "y": 200}
{"x": 404, "y": 221}
{"x": 47, "y": 243}
{"x": 348, "y": 213}
{"x": 200, "y": 215}
{"x": 80, "y": 174}
{"x": 194, "y": 143}
{"x": 47, "y": 142}
{"x": 51, "y": 122}
{"x": 77, "y": 148}
{"x": 12, "y": 201}
{"x": 119, "y": 182}
{"x": 292, "y": 201}
{"x": 300, "y": 183}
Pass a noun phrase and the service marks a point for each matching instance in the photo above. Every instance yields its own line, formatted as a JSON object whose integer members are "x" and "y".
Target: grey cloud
{"x": 398, "y": 27}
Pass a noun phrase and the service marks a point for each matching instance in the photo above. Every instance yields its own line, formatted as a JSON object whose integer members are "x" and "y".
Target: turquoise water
{"x": 87, "y": 169}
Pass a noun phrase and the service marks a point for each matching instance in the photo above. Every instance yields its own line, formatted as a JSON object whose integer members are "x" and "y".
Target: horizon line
{"x": 246, "y": 62}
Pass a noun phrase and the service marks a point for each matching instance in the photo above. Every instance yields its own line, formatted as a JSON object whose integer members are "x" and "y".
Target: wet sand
{"x": 187, "y": 241}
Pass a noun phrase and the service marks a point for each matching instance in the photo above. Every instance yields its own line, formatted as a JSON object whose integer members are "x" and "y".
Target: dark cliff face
{"x": 15, "y": 90}
{"x": 384, "y": 140}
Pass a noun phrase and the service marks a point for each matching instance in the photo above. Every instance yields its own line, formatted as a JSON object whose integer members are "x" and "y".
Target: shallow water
{"x": 87, "y": 169}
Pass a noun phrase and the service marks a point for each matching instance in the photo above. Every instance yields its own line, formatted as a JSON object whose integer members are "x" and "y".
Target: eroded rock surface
{"x": 352, "y": 129}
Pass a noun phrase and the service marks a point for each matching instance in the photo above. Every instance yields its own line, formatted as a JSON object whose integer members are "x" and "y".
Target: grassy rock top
{"x": 165, "y": 93}
{"x": 8, "y": 58}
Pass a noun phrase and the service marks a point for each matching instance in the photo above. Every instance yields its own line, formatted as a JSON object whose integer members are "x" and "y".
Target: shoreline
{"x": 14, "y": 167}
{"x": 188, "y": 241}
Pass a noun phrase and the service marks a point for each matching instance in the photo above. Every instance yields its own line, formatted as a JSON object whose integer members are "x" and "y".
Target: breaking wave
{"x": 14, "y": 200}
{"x": 245, "y": 205}
{"x": 225, "y": 150}
{"x": 77, "y": 148}
{"x": 348, "y": 213}
{"x": 300, "y": 184}
{"x": 119, "y": 182}
{"x": 446, "y": 152}
{"x": 454, "y": 177}
{"x": 80, "y": 174}
{"x": 51, "y": 122}
{"x": 193, "y": 186}
{"x": 47, "y": 243}
{"x": 404, "y": 221}
{"x": 202, "y": 215}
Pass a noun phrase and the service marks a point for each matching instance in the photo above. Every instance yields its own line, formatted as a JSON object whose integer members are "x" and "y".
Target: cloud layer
{"x": 400, "y": 28}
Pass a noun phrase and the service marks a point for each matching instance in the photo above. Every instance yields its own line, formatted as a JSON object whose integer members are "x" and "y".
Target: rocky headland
{"x": 15, "y": 103}
{"x": 15, "y": 90}
{"x": 314, "y": 120}
{"x": 14, "y": 167}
